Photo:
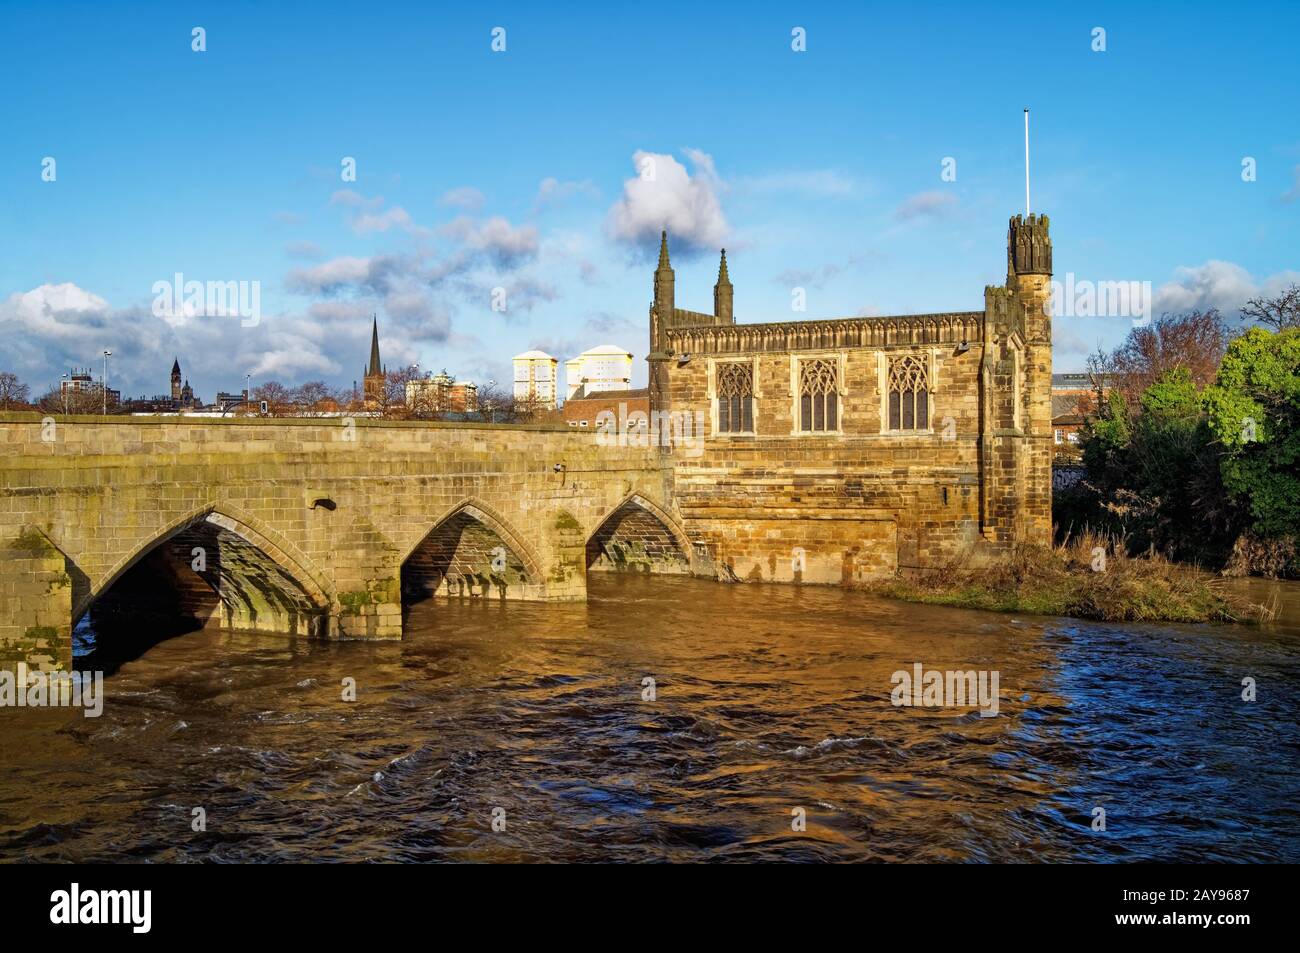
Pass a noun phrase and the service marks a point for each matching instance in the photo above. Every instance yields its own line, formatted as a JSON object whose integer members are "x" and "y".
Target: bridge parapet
{"x": 306, "y": 518}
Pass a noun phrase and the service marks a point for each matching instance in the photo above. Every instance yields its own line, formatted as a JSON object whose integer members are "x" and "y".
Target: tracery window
{"x": 818, "y": 396}
{"x": 735, "y": 388}
{"x": 909, "y": 394}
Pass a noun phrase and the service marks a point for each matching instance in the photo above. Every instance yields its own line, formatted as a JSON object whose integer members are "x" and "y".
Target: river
{"x": 525, "y": 732}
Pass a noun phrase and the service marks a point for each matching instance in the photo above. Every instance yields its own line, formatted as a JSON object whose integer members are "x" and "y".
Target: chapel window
{"x": 735, "y": 398}
{"x": 818, "y": 396}
{"x": 909, "y": 394}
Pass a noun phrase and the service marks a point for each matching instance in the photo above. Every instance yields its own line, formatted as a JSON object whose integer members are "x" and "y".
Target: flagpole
{"x": 1026, "y": 162}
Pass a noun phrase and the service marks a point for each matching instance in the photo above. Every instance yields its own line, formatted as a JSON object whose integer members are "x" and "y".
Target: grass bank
{"x": 1062, "y": 580}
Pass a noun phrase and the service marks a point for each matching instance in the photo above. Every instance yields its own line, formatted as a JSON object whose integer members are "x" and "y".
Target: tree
{"x": 423, "y": 401}
{"x": 1254, "y": 412}
{"x": 72, "y": 401}
{"x": 1153, "y": 474}
{"x": 13, "y": 392}
{"x": 313, "y": 398}
{"x": 496, "y": 404}
{"x": 1278, "y": 313}
{"x": 1195, "y": 340}
{"x": 279, "y": 400}
{"x": 392, "y": 402}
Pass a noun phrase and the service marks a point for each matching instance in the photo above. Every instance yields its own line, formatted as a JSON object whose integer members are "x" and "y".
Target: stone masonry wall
{"x": 36, "y": 594}
{"x": 336, "y": 504}
{"x": 832, "y": 507}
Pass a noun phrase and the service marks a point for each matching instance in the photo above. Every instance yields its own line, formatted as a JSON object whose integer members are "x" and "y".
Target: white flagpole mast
{"x": 1026, "y": 162}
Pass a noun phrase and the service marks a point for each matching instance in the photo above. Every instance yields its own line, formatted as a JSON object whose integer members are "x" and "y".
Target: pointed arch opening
{"x": 207, "y": 570}
{"x": 470, "y": 553}
{"x": 638, "y": 537}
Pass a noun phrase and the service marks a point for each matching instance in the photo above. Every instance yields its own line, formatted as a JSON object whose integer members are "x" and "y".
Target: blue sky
{"x": 479, "y": 170}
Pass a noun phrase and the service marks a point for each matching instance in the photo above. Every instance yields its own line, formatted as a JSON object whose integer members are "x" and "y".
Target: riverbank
{"x": 1088, "y": 578}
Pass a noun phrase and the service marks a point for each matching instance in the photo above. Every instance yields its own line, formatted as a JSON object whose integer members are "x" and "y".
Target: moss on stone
{"x": 33, "y": 541}
{"x": 353, "y": 601}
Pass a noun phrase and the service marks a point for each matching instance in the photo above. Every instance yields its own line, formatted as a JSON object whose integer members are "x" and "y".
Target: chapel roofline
{"x": 947, "y": 327}
{"x": 856, "y": 319}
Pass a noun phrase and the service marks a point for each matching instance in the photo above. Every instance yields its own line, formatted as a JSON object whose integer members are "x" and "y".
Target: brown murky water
{"x": 769, "y": 698}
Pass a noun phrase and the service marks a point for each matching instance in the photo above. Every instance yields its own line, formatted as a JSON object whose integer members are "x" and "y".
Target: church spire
{"x": 374, "y": 368}
{"x": 663, "y": 252}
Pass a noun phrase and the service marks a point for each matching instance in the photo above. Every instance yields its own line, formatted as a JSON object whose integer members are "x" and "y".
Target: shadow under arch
{"x": 213, "y": 565}
{"x": 638, "y": 535}
{"x": 472, "y": 550}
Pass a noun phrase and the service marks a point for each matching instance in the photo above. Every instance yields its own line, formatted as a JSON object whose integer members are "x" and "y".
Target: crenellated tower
{"x": 1016, "y": 391}
{"x": 1029, "y": 272}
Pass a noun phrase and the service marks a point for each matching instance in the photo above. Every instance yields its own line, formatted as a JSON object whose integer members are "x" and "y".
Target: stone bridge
{"x": 321, "y": 527}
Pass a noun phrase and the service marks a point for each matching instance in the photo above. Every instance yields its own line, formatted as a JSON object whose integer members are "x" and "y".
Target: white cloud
{"x": 55, "y": 327}
{"x": 466, "y": 197}
{"x": 395, "y": 217}
{"x": 329, "y": 276}
{"x": 823, "y": 183}
{"x": 552, "y": 191}
{"x": 504, "y": 243}
{"x": 415, "y": 290}
{"x": 932, "y": 204}
{"x": 1216, "y": 284}
{"x": 351, "y": 199}
{"x": 663, "y": 194}
{"x": 303, "y": 249}
{"x": 366, "y": 217}
{"x": 54, "y": 308}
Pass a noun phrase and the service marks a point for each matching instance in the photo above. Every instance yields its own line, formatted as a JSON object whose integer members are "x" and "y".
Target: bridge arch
{"x": 472, "y": 550}
{"x": 638, "y": 535}
{"x": 256, "y": 579}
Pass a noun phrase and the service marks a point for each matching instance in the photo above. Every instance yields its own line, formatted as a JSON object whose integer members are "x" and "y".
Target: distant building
{"x": 181, "y": 397}
{"x": 374, "y": 382}
{"x": 582, "y": 410}
{"x": 79, "y": 380}
{"x": 227, "y": 402}
{"x": 442, "y": 394}
{"x": 607, "y": 367}
{"x": 536, "y": 379}
{"x": 1074, "y": 398}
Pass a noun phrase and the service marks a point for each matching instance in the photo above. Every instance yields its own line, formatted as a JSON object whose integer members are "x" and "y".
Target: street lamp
{"x": 492, "y": 407}
{"x": 107, "y": 355}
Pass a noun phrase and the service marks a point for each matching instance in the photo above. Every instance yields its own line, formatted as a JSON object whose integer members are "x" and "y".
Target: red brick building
{"x": 582, "y": 409}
